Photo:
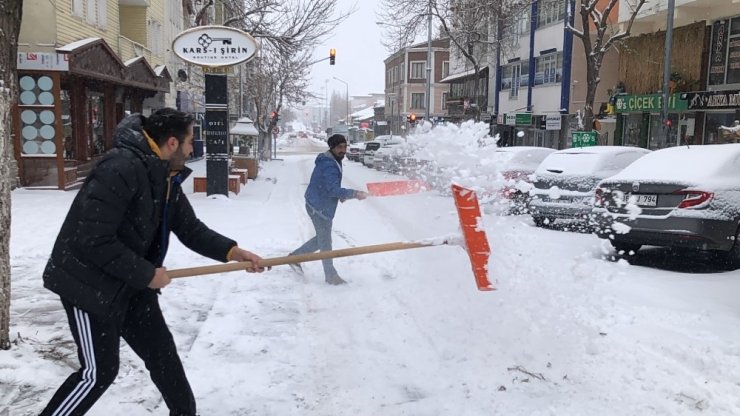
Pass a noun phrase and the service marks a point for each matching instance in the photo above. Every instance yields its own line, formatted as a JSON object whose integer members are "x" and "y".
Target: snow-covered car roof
{"x": 603, "y": 149}
{"x": 685, "y": 163}
{"x": 524, "y": 158}
{"x": 599, "y": 161}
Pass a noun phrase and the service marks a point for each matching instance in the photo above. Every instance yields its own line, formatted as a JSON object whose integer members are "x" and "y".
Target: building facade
{"x": 541, "y": 90}
{"x": 405, "y": 84}
{"x": 704, "y": 88}
{"x": 82, "y": 64}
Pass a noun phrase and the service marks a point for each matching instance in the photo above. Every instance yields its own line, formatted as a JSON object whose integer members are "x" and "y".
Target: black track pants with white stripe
{"x": 145, "y": 330}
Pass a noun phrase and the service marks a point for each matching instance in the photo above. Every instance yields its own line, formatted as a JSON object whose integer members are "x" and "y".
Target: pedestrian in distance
{"x": 323, "y": 194}
{"x": 106, "y": 264}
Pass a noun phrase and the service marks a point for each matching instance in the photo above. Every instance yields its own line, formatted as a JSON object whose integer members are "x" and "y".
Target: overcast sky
{"x": 359, "y": 53}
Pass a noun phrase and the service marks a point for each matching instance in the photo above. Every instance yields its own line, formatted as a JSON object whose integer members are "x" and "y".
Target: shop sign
{"x": 523, "y": 119}
{"x": 552, "y": 122}
{"x": 518, "y": 119}
{"x": 214, "y": 46}
{"x": 43, "y": 61}
{"x": 712, "y": 100}
{"x": 718, "y": 52}
{"x": 650, "y": 103}
{"x": 583, "y": 138}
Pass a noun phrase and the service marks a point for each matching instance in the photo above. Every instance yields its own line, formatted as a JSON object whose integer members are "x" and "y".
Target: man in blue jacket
{"x": 323, "y": 193}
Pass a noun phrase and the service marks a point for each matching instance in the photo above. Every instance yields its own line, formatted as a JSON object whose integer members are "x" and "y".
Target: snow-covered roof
{"x": 683, "y": 163}
{"x": 459, "y": 75}
{"x": 245, "y": 127}
{"x": 70, "y": 47}
{"x": 364, "y": 114}
{"x": 133, "y": 60}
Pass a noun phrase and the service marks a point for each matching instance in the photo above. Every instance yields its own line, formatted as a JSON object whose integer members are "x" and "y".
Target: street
{"x": 568, "y": 332}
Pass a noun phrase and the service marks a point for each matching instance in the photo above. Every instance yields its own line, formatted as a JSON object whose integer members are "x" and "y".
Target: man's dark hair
{"x": 167, "y": 122}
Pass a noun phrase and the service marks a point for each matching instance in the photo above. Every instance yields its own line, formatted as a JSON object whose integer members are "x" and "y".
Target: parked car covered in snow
{"x": 354, "y": 151}
{"x": 510, "y": 191}
{"x": 387, "y": 154}
{"x": 687, "y": 196}
{"x": 369, "y": 153}
{"x": 566, "y": 180}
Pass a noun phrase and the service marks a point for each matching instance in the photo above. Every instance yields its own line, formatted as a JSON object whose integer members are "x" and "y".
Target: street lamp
{"x": 347, "y": 91}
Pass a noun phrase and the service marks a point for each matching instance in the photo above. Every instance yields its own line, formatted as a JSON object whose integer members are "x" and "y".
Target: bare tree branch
{"x": 596, "y": 44}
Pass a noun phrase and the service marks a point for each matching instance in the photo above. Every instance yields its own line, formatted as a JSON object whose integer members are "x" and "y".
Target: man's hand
{"x": 361, "y": 195}
{"x": 238, "y": 254}
{"x": 160, "y": 279}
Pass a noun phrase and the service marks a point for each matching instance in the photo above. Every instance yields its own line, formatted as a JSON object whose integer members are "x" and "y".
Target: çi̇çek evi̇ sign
{"x": 214, "y": 46}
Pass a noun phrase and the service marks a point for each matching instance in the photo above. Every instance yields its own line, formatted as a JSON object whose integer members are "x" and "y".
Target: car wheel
{"x": 625, "y": 247}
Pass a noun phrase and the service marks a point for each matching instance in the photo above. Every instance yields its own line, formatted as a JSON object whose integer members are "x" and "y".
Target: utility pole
{"x": 667, "y": 55}
{"x": 429, "y": 62}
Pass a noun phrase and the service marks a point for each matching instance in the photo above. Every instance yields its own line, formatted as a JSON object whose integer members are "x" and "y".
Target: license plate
{"x": 643, "y": 200}
{"x": 560, "y": 201}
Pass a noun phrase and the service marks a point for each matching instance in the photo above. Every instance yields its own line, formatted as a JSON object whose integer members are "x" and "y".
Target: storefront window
{"x": 632, "y": 126}
{"x": 97, "y": 124}
{"x": 718, "y": 128}
{"x": 67, "y": 136}
{"x": 36, "y": 104}
{"x": 657, "y": 135}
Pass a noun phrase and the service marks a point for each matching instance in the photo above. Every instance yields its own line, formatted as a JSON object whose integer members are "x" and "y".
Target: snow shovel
{"x": 397, "y": 187}
{"x": 474, "y": 240}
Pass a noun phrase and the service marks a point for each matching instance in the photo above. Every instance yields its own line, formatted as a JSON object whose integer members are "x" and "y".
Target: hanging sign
{"x": 214, "y": 46}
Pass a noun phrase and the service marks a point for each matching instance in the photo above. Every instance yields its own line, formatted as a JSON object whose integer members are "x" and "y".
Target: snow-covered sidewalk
{"x": 567, "y": 332}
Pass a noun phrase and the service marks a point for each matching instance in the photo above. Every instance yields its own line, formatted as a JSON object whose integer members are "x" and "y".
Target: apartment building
{"x": 405, "y": 83}
{"x": 542, "y": 88}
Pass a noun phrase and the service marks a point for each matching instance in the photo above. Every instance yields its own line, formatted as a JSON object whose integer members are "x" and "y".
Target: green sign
{"x": 518, "y": 119}
{"x": 652, "y": 103}
{"x": 584, "y": 138}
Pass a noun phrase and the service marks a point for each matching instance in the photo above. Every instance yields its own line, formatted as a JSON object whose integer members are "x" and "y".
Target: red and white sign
{"x": 43, "y": 60}
{"x": 276, "y": 130}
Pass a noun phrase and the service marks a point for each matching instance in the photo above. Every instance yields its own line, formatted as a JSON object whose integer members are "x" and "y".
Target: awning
{"x": 244, "y": 127}
{"x": 139, "y": 73}
{"x": 94, "y": 58}
{"x": 462, "y": 74}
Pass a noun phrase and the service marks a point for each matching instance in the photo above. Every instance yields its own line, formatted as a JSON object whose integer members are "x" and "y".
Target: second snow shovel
{"x": 397, "y": 187}
{"x": 474, "y": 241}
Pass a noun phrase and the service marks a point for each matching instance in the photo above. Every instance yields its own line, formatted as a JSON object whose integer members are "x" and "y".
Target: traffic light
{"x": 411, "y": 119}
{"x": 332, "y": 56}
{"x": 275, "y": 116}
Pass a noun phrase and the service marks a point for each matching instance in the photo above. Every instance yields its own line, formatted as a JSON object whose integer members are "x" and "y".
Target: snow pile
{"x": 464, "y": 154}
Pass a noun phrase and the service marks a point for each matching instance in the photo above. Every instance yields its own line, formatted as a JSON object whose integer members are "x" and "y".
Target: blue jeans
{"x": 320, "y": 242}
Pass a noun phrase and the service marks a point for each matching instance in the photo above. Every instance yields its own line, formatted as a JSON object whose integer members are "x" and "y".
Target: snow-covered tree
{"x": 597, "y": 20}
{"x": 10, "y": 26}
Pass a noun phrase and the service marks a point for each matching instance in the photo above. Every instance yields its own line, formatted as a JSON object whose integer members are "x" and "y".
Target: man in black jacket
{"x": 106, "y": 264}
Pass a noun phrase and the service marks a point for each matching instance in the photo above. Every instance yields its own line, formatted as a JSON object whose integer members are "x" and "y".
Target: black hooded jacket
{"x": 114, "y": 237}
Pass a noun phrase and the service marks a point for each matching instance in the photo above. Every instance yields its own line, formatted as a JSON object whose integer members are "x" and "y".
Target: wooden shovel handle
{"x": 300, "y": 258}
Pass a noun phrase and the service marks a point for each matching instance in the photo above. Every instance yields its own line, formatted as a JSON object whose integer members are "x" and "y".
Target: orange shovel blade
{"x": 396, "y": 187}
{"x": 476, "y": 241}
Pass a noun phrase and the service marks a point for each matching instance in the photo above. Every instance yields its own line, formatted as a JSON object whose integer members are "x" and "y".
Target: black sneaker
{"x": 336, "y": 280}
{"x": 296, "y": 268}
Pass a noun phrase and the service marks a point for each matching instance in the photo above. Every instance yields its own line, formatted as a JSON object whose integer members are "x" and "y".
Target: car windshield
{"x": 372, "y": 146}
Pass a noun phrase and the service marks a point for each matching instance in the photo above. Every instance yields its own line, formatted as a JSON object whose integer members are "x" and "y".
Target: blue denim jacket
{"x": 325, "y": 189}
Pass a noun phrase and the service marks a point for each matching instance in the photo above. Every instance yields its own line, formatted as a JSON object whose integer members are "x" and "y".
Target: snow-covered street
{"x": 568, "y": 332}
